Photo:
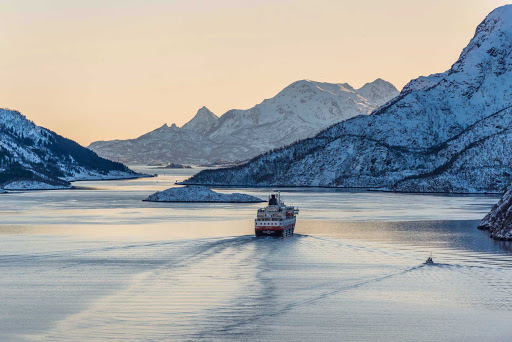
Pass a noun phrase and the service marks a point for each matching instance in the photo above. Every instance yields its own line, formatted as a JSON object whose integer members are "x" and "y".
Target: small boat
{"x": 276, "y": 219}
{"x": 429, "y": 260}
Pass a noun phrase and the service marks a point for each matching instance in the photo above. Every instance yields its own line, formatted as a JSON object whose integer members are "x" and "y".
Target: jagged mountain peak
{"x": 480, "y": 79}
{"x": 299, "y": 111}
{"x": 487, "y": 53}
{"x": 499, "y": 19}
{"x": 305, "y": 86}
{"x": 379, "y": 82}
{"x": 166, "y": 127}
{"x": 378, "y": 91}
{"x": 492, "y": 43}
{"x": 205, "y": 112}
{"x": 447, "y": 132}
{"x": 163, "y": 130}
{"x": 202, "y": 122}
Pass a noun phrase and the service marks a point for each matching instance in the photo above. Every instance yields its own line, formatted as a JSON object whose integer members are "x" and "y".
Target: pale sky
{"x": 100, "y": 70}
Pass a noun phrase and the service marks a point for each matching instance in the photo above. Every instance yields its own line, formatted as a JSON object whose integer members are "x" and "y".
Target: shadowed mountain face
{"x": 448, "y": 132}
{"x": 29, "y": 153}
{"x": 299, "y": 111}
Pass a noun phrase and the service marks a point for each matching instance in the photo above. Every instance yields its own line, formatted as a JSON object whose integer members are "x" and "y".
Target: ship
{"x": 276, "y": 219}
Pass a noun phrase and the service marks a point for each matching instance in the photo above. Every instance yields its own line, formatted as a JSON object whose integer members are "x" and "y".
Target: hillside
{"x": 299, "y": 111}
{"x": 32, "y": 157}
{"x": 447, "y": 132}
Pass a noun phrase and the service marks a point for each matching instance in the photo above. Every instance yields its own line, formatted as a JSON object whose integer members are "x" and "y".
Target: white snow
{"x": 203, "y": 122}
{"x": 43, "y": 152}
{"x": 299, "y": 111}
{"x": 448, "y": 132}
{"x": 83, "y": 175}
{"x": 33, "y": 185}
{"x": 193, "y": 193}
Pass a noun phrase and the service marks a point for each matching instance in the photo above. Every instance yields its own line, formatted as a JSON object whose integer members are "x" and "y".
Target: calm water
{"x": 98, "y": 264}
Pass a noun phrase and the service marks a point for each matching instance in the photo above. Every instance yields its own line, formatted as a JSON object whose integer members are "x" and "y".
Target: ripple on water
{"x": 247, "y": 288}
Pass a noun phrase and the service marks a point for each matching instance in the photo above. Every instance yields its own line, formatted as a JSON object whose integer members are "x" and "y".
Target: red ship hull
{"x": 278, "y": 231}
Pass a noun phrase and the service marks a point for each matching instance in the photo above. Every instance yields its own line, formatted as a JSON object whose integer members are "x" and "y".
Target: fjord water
{"x": 97, "y": 263}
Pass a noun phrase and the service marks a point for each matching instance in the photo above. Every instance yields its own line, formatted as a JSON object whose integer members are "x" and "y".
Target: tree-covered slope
{"x": 33, "y": 154}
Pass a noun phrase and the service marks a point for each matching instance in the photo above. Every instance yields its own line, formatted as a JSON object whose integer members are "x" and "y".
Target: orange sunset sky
{"x": 98, "y": 70}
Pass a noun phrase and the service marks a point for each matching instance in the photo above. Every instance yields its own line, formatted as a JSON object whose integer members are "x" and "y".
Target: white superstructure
{"x": 276, "y": 219}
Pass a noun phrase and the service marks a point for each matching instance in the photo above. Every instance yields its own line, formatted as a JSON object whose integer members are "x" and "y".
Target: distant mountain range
{"x": 32, "y": 157}
{"x": 299, "y": 111}
{"x": 448, "y": 132}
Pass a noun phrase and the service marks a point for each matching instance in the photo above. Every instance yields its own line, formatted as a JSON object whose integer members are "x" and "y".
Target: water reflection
{"x": 99, "y": 264}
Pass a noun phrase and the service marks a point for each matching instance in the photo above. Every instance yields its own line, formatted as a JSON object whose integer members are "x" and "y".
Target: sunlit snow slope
{"x": 32, "y": 157}
{"x": 447, "y": 132}
{"x": 299, "y": 111}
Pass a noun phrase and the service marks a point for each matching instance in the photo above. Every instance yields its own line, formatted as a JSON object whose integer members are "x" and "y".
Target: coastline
{"x": 222, "y": 186}
{"x": 72, "y": 187}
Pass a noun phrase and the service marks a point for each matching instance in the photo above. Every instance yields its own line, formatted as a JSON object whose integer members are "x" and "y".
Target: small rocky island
{"x": 173, "y": 166}
{"x": 499, "y": 220}
{"x": 197, "y": 193}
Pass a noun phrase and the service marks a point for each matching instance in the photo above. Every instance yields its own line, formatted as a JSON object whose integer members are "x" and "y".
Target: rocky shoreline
{"x": 499, "y": 220}
{"x": 199, "y": 194}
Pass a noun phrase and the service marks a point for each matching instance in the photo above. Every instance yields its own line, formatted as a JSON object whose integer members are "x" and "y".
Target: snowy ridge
{"x": 378, "y": 92}
{"x": 448, "y": 132}
{"x": 32, "y": 157}
{"x": 191, "y": 193}
{"x": 202, "y": 122}
{"x": 33, "y": 185}
{"x": 300, "y": 110}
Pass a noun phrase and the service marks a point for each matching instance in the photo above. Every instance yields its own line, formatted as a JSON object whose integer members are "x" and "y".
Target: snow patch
{"x": 193, "y": 193}
{"x": 33, "y": 185}
{"x": 299, "y": 111}
{"x": 447, "y": 132}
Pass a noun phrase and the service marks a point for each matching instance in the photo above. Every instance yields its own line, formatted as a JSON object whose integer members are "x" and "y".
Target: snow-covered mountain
{"x": 299, "y": 111}
{"x": 447, "y": 132}
{"x": 162, "y": 145}
{"x": 35, "y": 157}
{"x": 378, "y": 92}
{"x": 202, "y": 122}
